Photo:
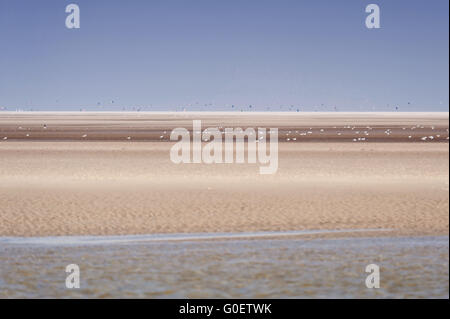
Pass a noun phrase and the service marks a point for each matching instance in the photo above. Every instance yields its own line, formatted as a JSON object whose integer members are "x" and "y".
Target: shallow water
{"x": 234, "y": 268}
{"x": 123, "y": 239}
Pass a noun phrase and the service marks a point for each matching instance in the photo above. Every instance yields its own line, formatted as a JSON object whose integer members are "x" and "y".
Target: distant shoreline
{"x": 235, "y": 113}
{"x": 157, "y": 126}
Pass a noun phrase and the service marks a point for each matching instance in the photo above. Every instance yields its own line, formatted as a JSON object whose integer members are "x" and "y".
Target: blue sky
{"x": 210, "y": 55}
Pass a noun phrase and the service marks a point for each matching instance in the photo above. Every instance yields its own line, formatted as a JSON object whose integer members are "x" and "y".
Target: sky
{"x": 252, "y": 55}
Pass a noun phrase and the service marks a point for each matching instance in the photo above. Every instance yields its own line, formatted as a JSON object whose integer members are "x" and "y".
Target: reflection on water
{"x": 263, "y": 268}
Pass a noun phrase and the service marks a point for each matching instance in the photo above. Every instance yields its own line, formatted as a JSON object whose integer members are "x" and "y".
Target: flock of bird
{"x": 349, "y": 133}
{"x": 360, "y": 134}
{"x": 111, "y": 104}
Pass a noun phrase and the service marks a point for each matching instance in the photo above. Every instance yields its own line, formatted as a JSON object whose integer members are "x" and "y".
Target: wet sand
{"x": 156, "y": 126}
{"x": 57, "y": 182}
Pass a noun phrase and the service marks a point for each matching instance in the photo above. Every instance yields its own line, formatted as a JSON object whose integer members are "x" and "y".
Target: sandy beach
{"x": 54, "y": 181}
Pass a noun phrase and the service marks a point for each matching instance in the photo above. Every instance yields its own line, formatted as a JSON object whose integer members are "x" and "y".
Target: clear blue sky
{"x": 313, "y": 55}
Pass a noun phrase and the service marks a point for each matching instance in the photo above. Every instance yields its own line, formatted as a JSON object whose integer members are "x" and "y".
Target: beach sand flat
{"x": 57, "y": 182}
